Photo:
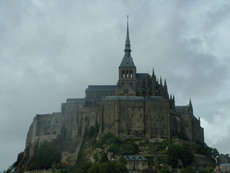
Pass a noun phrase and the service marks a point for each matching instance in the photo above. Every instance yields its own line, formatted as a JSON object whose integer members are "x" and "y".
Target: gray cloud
{"x": 51, "y": 50}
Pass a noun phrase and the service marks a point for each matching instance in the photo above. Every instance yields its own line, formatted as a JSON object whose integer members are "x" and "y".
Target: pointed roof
{"x": 127, "y": 60}
{"x": 153, "y": 73}
{"x": 127, "y": 41}
{"x": 165, "y": 83}
{"x": 190, "y": 105}
{"x": 190, "y": 102}
{"x": 160, "y": 81}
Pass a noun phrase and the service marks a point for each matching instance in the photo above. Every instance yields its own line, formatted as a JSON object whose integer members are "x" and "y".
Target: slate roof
{"x": 132, "y": 98}
{"x": 184, "y": 110}
{"x": 142, "y": 75}
{"x": 155, "y": 98}
{"x": 101, "y": 88}
{"x": 74, "y": 100}
{"x": 127, "y": 61}
{"x": 134, "y": 158}
{"x": 181, "y": 109}
{"x": 136, "y": 98}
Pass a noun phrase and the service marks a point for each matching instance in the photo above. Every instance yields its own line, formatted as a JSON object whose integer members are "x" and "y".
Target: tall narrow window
{"x": 131, "y": 73}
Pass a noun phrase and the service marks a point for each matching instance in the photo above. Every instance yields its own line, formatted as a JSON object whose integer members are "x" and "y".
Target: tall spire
{"x": 153, "y": 73}
{"x": 161, "y": 81}
{"x": 190, "y": 106}
{"x": 127, "y": 41}
{"x": 127, "y": 60}
{"x": 165, "y": 83}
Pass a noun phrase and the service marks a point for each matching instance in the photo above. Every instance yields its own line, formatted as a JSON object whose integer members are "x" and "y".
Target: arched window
{"x": 131, "y": 73}
{"x": 123, "y": 74}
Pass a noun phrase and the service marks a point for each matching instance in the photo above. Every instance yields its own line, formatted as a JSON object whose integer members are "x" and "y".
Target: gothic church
{"x": 138, "y": 106}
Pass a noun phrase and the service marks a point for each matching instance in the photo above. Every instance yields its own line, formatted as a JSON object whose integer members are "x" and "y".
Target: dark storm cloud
{"x": 51, "y": 50}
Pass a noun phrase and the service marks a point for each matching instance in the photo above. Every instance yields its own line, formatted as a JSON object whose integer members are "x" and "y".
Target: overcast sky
{"x": 51, "y": 50}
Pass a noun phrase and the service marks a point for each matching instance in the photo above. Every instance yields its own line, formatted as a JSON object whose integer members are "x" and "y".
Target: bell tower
{"x": 127, "y": 71}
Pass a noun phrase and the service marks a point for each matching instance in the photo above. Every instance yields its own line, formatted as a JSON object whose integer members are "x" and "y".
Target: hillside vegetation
{"x": 104, "y": 154}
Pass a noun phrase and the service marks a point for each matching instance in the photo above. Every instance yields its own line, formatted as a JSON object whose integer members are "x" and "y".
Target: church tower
{"x": 127, "y": 71}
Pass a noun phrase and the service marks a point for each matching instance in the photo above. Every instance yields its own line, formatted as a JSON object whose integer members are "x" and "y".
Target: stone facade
{"x": 136, "y": 116}
{"x": 136, "y": 164}
{"x": 138, "y": 106}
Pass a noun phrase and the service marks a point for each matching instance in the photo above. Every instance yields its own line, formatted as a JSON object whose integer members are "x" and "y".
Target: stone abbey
{"x": 138, "y": 106}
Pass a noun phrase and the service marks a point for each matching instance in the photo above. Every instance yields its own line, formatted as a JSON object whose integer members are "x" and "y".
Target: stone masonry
{"x": 138, "y": 106}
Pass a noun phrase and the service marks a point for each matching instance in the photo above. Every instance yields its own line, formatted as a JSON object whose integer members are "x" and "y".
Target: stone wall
{"x": 192, "y": 127}
{"x": 136, "y": 117}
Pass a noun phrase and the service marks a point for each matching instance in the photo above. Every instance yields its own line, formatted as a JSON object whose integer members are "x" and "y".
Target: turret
{"x": 166, "y": 95}
{"x": 154, "y": 83}
{"x": 190, "y": 108}
{"x": 172, "y": 102}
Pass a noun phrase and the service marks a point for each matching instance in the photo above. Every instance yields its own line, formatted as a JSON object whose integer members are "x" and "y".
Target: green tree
{"x": 115, "y": 148}
{"x": 188, "y": 169}
{"x": 186, "y": 155}
{"x": 128, "y": 148}
{"x": 203, "y": 148}
{"x": 82, "y": 167}
{"x": 96, "y": 157}
{"x": 108, "y": 167}
{"x": 103, "y": 157}
{"x": 177, "y": 152}
{"x": 109, "y": 139}
{"x": 209, "y": 169}
{"x": 120, "y": 168}
{"x": 94, "y": 168}
{"x": 45, "y": 156}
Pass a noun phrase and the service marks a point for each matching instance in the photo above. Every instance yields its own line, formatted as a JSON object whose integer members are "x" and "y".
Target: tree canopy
{"x": 177, "y": 153}
{"x": 45, "y": 156}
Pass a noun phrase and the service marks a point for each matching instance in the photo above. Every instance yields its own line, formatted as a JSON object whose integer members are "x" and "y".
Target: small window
{"x": 131, "y": 73}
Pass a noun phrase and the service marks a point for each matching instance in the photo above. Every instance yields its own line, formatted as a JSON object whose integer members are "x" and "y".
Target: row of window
{"x": 127, "y": 74}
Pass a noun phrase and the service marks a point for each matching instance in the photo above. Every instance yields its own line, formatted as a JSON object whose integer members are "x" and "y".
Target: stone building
{"x": 142, "y": 107}
{"x": 139, "y": 105}
{"x": 136, "y": 163}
